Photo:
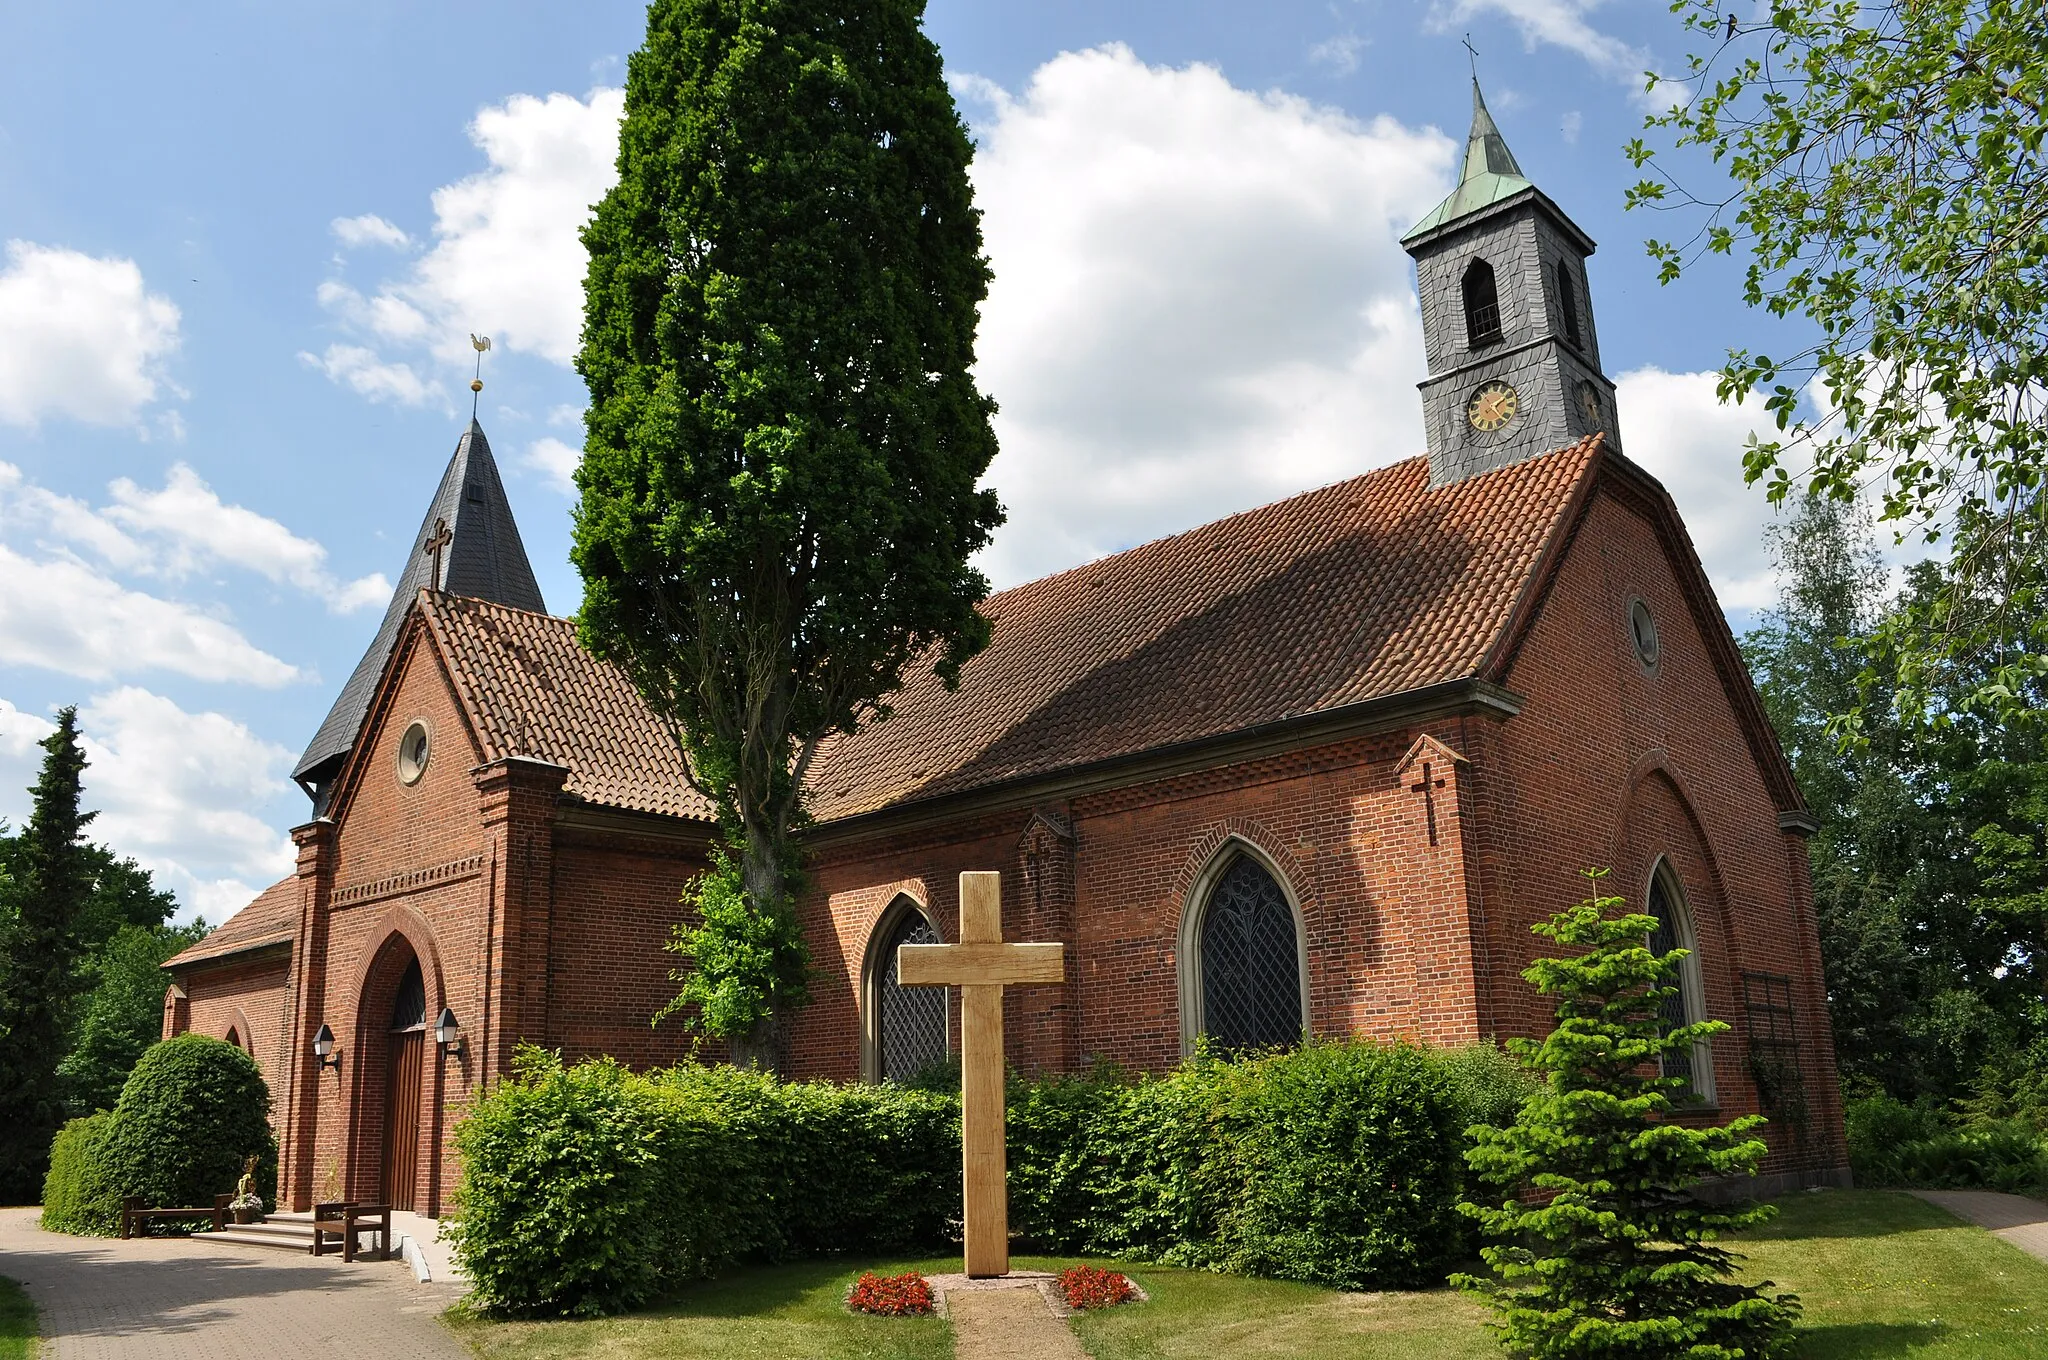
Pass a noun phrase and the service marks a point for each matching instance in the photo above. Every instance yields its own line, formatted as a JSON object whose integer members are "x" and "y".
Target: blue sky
{"x": 245, "y": 245}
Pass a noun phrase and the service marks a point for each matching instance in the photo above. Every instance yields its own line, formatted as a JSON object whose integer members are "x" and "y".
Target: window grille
{"x": 1482, "y": 306}
{"x": 1568, "y": 302}
{"x": 911, "y": 1020}
{"x": 1251, "y": 961}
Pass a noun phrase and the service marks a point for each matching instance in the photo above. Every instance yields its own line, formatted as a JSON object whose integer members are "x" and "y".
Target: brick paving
{"x": 2019, "y": 1220}
{"x": 180, "y": 1299}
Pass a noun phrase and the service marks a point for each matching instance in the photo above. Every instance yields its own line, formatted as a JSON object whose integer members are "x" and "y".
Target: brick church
{"x": 1317, "y": 766}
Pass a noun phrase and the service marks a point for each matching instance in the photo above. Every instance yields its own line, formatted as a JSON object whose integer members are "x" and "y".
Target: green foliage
{"x": 1893, "y": 1143}
{"x": 192, "y": 1109}
{"x": 1602, "y": 1248}
{"x": 588, "y": 1189}
{"x": 46, "y": 889}
{"x": 778, "y": 488}
{"x": 1885, "y": 170}
{"x": 79, "y": 1194}
{"x": 1930, "y": 879}
{"x": 1336, "y": 1163}
{"x": 743, "y": 960}
{"x": 121, "y": 1014}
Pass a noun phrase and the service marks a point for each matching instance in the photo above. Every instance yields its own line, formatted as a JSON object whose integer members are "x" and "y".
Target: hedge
{"x": 79, "y": 1196}
{"x": 588, "y": 1189}
{"x": 192, "y": 1109}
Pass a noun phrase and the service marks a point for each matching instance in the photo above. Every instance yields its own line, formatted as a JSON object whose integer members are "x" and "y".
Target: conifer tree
{"x": 1603, "y": 1250}
{"x": 779, "y": 479}
{"x": 38, "y": 965}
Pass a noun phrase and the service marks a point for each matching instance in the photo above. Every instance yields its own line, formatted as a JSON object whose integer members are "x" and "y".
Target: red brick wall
{"x": 245, "y": 996}
{"x": 1613, "y": 766}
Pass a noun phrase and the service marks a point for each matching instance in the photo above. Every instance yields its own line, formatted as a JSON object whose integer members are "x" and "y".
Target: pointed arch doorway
{"x": 404, "y": 1071}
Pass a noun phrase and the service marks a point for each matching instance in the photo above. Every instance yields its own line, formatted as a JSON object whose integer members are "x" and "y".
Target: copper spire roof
{"x": 483, "y": 558}
{"x": 1489, "y": 175}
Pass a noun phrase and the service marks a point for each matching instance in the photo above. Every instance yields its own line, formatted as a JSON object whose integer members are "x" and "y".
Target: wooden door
{"x": 402, "y": 1117}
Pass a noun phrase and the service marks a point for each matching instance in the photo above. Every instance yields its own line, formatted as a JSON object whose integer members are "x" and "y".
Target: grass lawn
{"x": 17, "y": 1323}
{"x": 1881, "y": 1275}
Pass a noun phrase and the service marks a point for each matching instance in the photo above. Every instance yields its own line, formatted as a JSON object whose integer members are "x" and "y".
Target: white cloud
{"x": 1200, "y": 300}
{"x": 177, "y": 788}
{"x": 555, "y": 461}
{"x": 1570, "y": 126}
{"x": 59, "y": 613}
{"x": 81, "y": 337}
{"x": 1557, "y": 23}
{"x": 1339, "y": 54}
{"x": 506, "y": 258}
{"x": 1676, "y": 427}
{"x": 366, "y": 372}
{"x": 369, "y": 230}
{"x": 173, "y": 532}
{"x": 198, "y": 528}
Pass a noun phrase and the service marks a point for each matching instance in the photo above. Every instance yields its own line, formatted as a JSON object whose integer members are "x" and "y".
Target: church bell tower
{"x": 1507, "y": 320}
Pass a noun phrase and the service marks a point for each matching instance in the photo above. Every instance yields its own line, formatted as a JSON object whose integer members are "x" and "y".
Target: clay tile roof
{"x": 1357, "y": 591}
{"x": 532, "y": 690}
{"x": 273, "y": 918}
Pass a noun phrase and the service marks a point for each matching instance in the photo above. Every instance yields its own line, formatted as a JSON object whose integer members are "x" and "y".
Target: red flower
{"x": 891, "y": 1296}
{"x": 1088, "y": 1287}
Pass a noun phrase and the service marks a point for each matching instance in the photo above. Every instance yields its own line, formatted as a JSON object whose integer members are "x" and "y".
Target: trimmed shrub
{"x": 79, "y": 1196}
{"x": 1877, "y": 1127}
{"x": 191, "y": 1111}
{"x": 1340, "y": 1165}
{"x": 589, "y": 1189}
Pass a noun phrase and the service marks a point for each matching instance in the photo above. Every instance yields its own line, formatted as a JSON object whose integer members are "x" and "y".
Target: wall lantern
{"x": 323, "y": 1049}
{"x": 448, "y": 1034}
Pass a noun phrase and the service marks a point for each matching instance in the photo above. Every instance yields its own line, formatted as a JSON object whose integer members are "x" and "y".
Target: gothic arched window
{"x": 907, "y": 1025}
{"x": 1482, "y": 306}
{"x": 1249, "y": 949}
{"x": 1568, "y": 302}
{"x": 1687, "y": 1007}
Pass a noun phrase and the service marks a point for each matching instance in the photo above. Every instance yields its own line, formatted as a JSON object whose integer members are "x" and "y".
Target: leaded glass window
{"x": 1682, "y": 1006}
{"x": 1251, "y": 961}
{"x": 910, "y": 1022}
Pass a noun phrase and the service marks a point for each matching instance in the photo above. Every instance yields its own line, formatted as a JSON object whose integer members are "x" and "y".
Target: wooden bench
{"x": 344, "y": 1219}
{"x": 133, "y": 1213}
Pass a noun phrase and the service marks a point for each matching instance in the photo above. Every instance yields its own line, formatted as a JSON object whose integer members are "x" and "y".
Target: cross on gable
{"x": 434, "y": 546}
{"x": 981, "y": 965}
{"x": 1433, "y": 756}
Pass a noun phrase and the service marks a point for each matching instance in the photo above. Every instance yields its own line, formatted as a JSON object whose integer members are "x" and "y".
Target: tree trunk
{"x": 764, "y": 874}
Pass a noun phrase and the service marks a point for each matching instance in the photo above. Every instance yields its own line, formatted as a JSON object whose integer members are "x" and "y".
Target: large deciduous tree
{"x": 48, "y": 884}
{"x": 1886, "y": 180}
{"x": 783, "y": 445}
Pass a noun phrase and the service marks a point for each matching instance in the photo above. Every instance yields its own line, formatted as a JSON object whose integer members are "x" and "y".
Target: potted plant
{"x": 247, "y": 1205}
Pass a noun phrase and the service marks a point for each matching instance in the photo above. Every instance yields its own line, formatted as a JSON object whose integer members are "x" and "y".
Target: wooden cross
{"x": 981, "y": 965}
{"x": 433, "y": 547}
{"x": 1427, "y": 788}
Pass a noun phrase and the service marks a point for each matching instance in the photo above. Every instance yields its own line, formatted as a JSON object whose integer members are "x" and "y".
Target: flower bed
{"x": 891, "y": 1295}
{"x": 1087, "y": 1287}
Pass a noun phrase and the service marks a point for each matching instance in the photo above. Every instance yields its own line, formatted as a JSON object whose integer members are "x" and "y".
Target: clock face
{"x": 1492, "y": 407}
{"x": 1589, "y": 401}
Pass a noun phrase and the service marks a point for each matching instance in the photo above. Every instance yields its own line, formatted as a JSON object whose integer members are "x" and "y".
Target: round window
{"x": 1643, "y": 629}
{"x": 413, "y": 749}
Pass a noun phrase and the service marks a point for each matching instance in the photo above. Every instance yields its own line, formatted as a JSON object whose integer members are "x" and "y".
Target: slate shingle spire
{"x": 483, "y": 558}
{"x": 1507, "y": 318}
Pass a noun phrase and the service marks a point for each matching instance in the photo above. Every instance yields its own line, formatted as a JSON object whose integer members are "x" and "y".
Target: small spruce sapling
{"x": 1601, "y": 1247}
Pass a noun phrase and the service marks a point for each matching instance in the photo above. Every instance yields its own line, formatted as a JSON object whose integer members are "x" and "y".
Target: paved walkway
{"x": 1008, "y": 1324}
{"x": 2019, "y": 1220}
{"x": 178, "y": 1299}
